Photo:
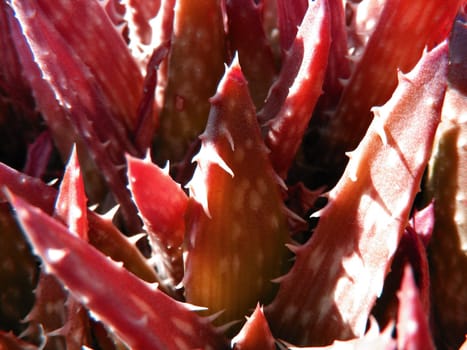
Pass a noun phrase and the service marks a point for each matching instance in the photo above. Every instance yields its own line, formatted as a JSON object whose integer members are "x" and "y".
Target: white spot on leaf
{"x": 55, "y": 255}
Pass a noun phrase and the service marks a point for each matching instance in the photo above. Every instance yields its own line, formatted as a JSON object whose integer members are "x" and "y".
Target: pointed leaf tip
{"x": 413, "y": 331}
{"x": 255, "y": 333}
{"x": 71, "y": 203}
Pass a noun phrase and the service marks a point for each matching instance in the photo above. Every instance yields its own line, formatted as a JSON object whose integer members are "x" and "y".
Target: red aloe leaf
{"x": 271, "y": 27}
{"x": 290, "y": 14}
{"x": 411, "y": 250}
{"x": 298, "y": 87}
{"x": 413, "y": 331}
{"x": 246, "y": 35}
{"x": 58, "y": 123}
{"x": 363, "y": 21}
{"x": 9, "y": 341}
{"x": 53, "y": 313}
{"x": 164, "y": 30}
{"x": 138, "y": 16}
{"x": 109, "y": 240}
{"x": 255, "y": 333}
{"x": 88, "y": 63}
{"x": 423, "y": 222}
{"x": 373, "y": 339}
{"x": 13, "y": 84}
{"x": 237, "y": 234}
{"x": 19, "y": 121}
{"x": 71, "y": 208}
{"x": 37, "y": 192}
{"x": 71, "y": 203}
{"x": 338, "y": 66}
{"x": 146, "y": 120}
{"x": 38, "y": 156}
{"x": 301, "y": 201}
{"x": 77, "y": 327}
{"x": 447, "y": 186}
{"x": 404, "y": 34}
{"x": 57, "y": 317}
{"x": 145, "y": 317}
{"x": 109, "y": 59}
{"x": 18, "y": 273}
{"x": 102, "y": 233}
{"x": 196, "y": 63}
{"x": 358, "y": 231}
{"x": 90, "y": 115}
{"x": 162, "y": 204}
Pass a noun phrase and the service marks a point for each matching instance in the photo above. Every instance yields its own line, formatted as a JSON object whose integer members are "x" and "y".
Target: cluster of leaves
{"x": 316, "y": 181}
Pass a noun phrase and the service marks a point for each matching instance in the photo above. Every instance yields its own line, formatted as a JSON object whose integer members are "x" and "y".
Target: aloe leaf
{"x": 102, "y": 232}
{"x": 100, "y": 119}
{"x": 290, "y": 15}
{"x": 140, "y": 314}
{"x": 293, "y": 96}
{"x": 413, "y": 331}
{"x": 246, "y": 36}
{"x": 349, "y": 253}
{"x": 411, "y": 250}
{"x": 405, "y": 34}
{"x": 373, "y": 339}
{"x": 237, "y": 229}
{"x": 447, "y": 186}
{"x": 18, "y": 274}
{"x": 109, "y": 59}
{"x": 71, "y": 203}
{"x": 162, "y": 205}
{"x": 255, "y": 333}
{"x": 195, "y": 65}
{"x": 11, "y": 342}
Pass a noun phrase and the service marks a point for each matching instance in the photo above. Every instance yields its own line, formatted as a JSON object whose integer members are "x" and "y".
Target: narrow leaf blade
{"x": 145, "y": 317}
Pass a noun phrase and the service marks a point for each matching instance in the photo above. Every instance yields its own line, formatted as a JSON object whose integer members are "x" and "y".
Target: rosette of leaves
{"x": 233, "y": 174}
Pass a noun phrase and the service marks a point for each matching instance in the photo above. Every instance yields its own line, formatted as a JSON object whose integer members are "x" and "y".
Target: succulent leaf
{"x": 111, "y": 64}
{"x": 94, "y": 121}
{"x": 447, "y": 186}
{"x": 56, "y": 318}
{"x": 349, "y": 253}
{"x": 102, "y": 233}
{"x": 195, "y": 66}
{"x": 300, "y": 85}
{"x": 11, "y": 342}
{"x": 18, "y": 274}
{"x": 230, "y": 247}
{"x": 38, "y": 156}
{"x": 255, "y": 333}
{"x": 162, "y": 205}
{"x": 412, "y": 251}
{"x": 138, "y": 16}
{"x": 145, "y": 317}
{"x": 413, "y": 331}
{"x": 300, "y": 194}
{"x": 376, "y": 75}
{"x": 290, "y": 15}
{"x": 373, "y": 339}
{"x": 71, "y": 203}
{"x": 146, "y": 119}
{"x": 338, "y": 66}
{"x": 246, "y": 36}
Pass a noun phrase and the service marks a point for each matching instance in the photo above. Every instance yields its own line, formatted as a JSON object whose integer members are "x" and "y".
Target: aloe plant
{"x": 233, "y": 174}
